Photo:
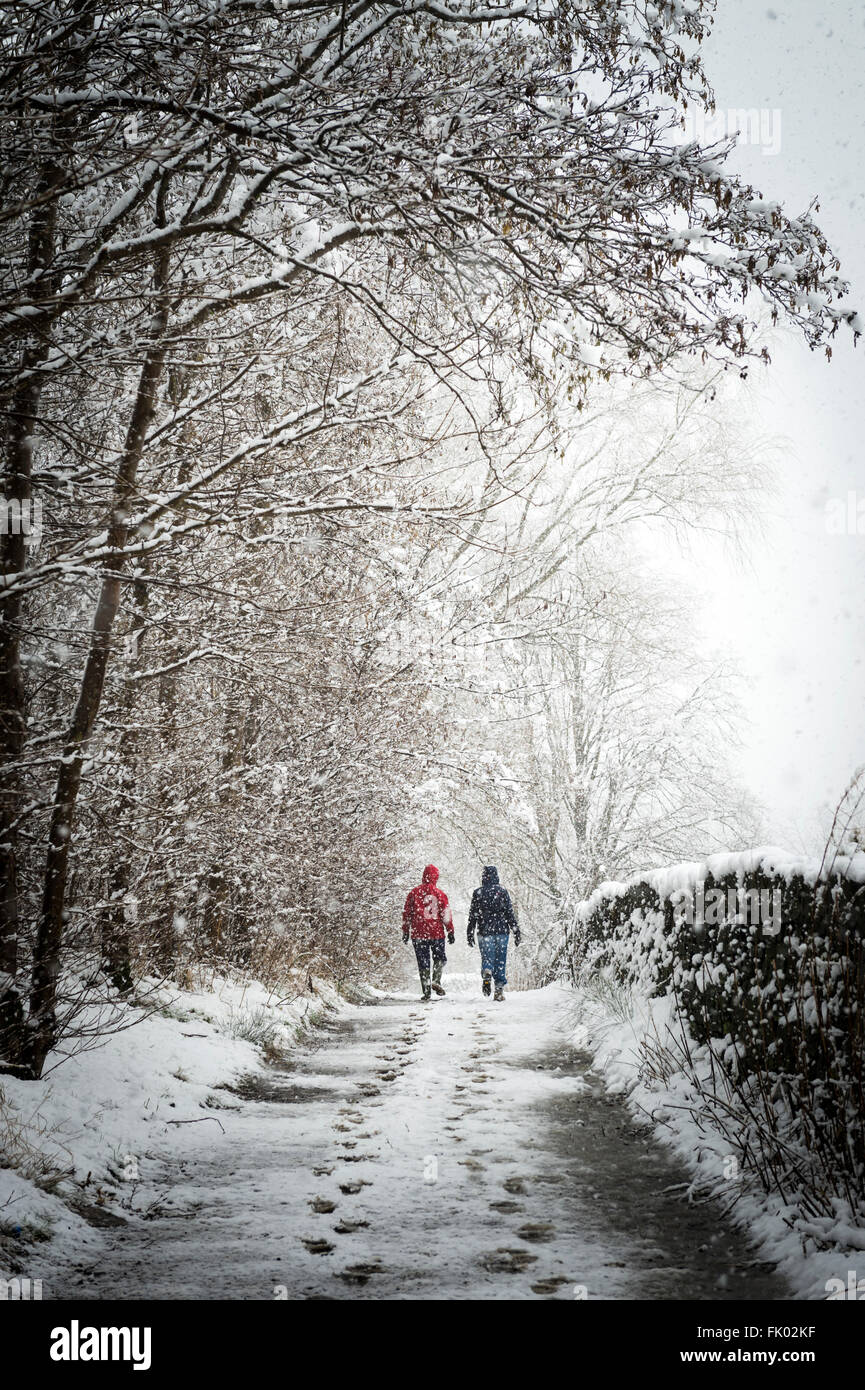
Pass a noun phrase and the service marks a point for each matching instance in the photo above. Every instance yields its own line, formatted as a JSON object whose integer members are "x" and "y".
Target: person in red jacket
{"x": 425, "y": 919}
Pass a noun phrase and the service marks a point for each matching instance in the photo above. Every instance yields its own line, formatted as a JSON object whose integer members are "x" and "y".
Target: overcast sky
{"x": 793, "y": 616}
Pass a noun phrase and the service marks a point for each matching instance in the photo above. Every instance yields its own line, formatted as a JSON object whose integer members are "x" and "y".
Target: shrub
{"x": 773, "y": 1013}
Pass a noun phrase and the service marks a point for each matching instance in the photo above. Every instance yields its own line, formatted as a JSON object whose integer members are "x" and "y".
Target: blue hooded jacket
{"x": 491, "y": 912}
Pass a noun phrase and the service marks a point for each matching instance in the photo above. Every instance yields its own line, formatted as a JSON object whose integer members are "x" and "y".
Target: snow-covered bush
{"x": 763, "y": 959}
{"x": 238, "y": 370}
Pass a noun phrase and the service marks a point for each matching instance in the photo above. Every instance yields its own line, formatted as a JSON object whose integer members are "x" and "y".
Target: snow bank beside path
{"x": 79, "y": 1146}
{"x": 613, "y": 1026}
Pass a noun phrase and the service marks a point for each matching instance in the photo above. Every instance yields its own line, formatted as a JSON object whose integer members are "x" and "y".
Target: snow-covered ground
{"x": 84, "y": 1139}
{"x": 456, "y": 1149}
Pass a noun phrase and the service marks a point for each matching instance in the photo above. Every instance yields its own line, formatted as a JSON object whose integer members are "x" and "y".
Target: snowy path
{"x": 459, "y": 1149}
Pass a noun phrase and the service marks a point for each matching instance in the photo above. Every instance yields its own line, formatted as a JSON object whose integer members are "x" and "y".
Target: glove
{"x": 470, "y": 940}
{"x": 450, "y": 938}
{"x": 517, "y": 938}
{"x": 405, "y": 938}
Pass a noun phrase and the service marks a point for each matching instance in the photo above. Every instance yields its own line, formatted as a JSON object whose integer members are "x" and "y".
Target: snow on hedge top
{"x": 686, "y": 876}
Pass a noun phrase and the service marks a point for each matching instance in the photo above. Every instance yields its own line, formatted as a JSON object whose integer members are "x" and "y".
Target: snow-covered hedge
{"x": 764, "y": 957}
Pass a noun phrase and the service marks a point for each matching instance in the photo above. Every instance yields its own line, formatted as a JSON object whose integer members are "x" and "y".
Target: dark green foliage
{"x": 778, "y": 1004}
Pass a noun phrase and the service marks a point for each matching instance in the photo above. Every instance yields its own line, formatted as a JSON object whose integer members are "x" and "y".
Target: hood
{"x": 430, "y": 875}
{"x": 490, "y": 877}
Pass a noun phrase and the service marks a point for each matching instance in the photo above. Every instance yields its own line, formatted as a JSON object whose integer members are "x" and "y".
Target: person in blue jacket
{"x": 492, "y": 918}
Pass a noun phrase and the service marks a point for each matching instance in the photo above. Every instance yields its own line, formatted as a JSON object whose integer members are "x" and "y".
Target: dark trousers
{"x": 424, "y": 950}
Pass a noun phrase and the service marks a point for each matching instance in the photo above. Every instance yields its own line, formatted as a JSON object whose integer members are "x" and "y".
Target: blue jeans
{"x": 494, "y": 955}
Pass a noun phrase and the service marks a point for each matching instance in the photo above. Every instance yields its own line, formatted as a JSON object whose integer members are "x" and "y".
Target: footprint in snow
{"x": 347, "y": 1228}
{"x": 352, "y": 1188}
{"x": 505, "y": 1261}
{"x": 507, "y": 1208}
{"x": 359, "y": 1274}
{"x": 537, "y": 1231}
{"x": 322, "y": 1205}
{"x": 548, "y": 1287}
{"x": 516, "y": 1186}
{"x": 317, "y": 1247}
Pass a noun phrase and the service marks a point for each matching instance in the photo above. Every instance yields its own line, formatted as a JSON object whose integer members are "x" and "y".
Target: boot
{"x": 437, "y": 977}
{"x": 486, "y": 986}
{"x": 499, "y": 995}
{"x": 424, "y": 984}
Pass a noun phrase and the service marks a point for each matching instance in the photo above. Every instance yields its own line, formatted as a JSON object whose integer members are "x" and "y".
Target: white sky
{"x": 793, "y": 617}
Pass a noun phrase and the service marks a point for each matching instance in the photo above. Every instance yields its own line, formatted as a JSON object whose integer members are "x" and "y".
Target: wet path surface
{"x": 460, "y": 1149}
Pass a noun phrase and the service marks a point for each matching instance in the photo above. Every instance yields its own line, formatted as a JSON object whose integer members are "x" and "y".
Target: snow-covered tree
{"x": 268, "y": 267}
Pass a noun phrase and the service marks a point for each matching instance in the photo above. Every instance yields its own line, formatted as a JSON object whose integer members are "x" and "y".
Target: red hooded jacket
{"x": 426, "y": 914}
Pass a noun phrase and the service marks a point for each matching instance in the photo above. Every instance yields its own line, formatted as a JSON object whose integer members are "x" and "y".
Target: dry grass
{"x": 29, "y": 1145}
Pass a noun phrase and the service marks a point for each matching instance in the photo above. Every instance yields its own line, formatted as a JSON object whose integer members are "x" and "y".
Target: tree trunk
{"x": 116, "y": 949}
{"x": 41, "y": 1031}
{"x": 17, "y": 494}
{"x": 217, "y": 912}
